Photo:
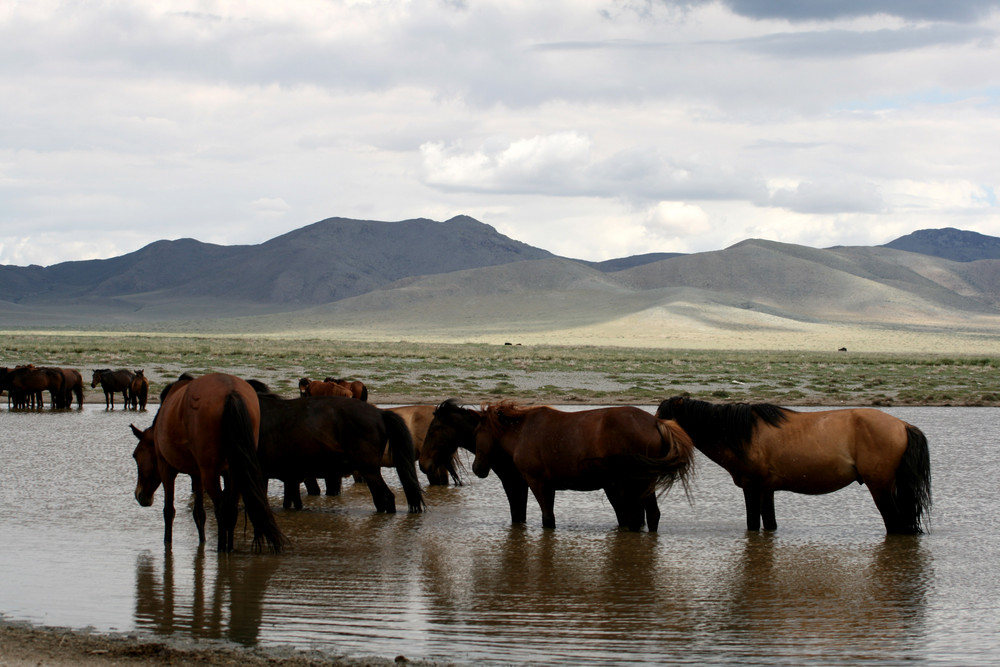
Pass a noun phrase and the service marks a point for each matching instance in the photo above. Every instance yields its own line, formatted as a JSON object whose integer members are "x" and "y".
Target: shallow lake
{"x": 459, "y": 584}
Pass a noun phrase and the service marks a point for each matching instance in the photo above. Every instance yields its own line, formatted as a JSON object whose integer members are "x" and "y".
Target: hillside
{"x": 462, "y": 280}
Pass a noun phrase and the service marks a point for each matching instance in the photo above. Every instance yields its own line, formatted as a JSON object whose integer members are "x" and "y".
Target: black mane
{"x": 729, "y": 424}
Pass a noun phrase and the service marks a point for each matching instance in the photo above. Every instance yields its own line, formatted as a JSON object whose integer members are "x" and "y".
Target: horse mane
{"x": 729, "y": 424}
{"x": 259, "y": 387}
{"x": 503, "y": 415}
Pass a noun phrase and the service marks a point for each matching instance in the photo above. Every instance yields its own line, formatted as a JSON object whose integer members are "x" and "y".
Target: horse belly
{"x": 815, "y": 477}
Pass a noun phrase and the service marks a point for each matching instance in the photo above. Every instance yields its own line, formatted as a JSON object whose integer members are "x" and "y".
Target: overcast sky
{"x": 591, "y": 128}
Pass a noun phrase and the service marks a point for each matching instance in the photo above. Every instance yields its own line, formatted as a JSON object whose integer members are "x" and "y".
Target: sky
{"x": 594, "y": 129}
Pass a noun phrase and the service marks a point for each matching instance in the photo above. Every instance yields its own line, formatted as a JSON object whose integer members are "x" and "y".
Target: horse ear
{"x": 136, "y": 431}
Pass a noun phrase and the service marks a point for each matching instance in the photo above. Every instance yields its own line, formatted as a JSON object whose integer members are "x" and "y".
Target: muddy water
{"x": 458, "y": 583}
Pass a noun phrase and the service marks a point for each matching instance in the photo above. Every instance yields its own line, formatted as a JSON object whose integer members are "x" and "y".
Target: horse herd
{"x": 25, "y": 386}
{"x": 220, "y": 428}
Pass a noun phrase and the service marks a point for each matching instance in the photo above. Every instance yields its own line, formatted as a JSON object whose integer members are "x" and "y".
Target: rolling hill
{"x": 462, "y": 280}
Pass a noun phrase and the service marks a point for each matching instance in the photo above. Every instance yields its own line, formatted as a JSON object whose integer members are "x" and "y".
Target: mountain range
{"x": 463, "y": 275}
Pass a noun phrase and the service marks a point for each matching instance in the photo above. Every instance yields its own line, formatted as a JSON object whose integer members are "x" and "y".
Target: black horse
{"x": 330, "y": 436}
{"x": 111, "y": 382}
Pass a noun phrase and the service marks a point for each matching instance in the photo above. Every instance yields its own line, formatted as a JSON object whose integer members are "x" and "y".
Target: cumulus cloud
{"x": 586, "y": 127}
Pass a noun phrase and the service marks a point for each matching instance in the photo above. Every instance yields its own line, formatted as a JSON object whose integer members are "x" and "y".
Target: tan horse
{"x": 418, "y": 419}
{"x": 767, "y": 448}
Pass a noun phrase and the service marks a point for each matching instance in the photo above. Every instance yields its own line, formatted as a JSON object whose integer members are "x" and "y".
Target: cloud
{"x": 829, "y": 10}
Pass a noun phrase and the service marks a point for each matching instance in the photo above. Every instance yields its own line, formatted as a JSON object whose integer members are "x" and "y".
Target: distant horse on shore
{"x": 357, "y": 387}
{"x": 139, "y": 390}
{"x": 309, "y": 387}
{"x": 112, "y": 382}
{"x": 72, "y": 386}
{"x": 766, "y": 448}
{"x": 25, "y": 385}
{"x": 207, "y": 428}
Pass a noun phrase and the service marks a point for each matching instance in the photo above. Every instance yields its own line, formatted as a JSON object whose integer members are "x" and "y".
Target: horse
{"x": 26, "y": 384}
{"x": 334, "y": 436}
{"x": 357, "y": 387}
{"x": 625, "y": 451}
{"x": 111, "y": 382}
{"x": 309, "y": 387}
{"x": 139, "y": 390}
{"x": 72, "y": 386}
{"x": 207, "y": 428}
{"x": 418, "y": 419}
{"x": 766, "y": 448}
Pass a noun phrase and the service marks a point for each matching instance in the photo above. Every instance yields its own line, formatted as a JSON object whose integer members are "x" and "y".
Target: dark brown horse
{"x": 767, "y": 448}
{"x": 112, "y": 382}
{"x": 139, "y": 390}
{"x": 207, "y": 428}
{"x": 26, "y": 384}
{"x": 72, "y": 386}
{"x": 624, "y": 451}
{"x": 334, "y": 436}
{"x": 309, "y": 387}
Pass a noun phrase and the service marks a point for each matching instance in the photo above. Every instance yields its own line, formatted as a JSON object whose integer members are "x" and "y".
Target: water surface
{"x": 458, "y": 583}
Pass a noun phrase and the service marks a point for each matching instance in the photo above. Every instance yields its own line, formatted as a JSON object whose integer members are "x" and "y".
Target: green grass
{"x": 431, "y": 372}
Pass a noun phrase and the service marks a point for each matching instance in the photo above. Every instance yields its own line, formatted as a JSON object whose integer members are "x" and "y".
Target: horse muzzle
{"x": 145, "y": 500}
{"x": 480, "y": 468}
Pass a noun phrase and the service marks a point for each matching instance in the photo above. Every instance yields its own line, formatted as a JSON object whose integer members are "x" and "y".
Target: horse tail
{"x": 912, "y": 489}
{"x": 364, "y": 393}
{"x": 240, "y": 449}
{"x": 404, "y": 459}
{"x": 676, "y": 465}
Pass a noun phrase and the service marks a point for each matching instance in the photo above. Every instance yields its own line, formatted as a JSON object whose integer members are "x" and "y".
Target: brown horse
{"x": 309, "y": 387}
{"x": 26, "y": 384}
{"x": 767, "y": 448}
{"x": 139, "y": 390}
{"x": 72, "y": 386}
{"x": 624, "y": 450}
{"x": 357, "y": 387}
{"x": 207, "y": 428}
{"x": 112, "y": 382}
{"x": 334, "y": 436}
{"x": 418, "y": 419}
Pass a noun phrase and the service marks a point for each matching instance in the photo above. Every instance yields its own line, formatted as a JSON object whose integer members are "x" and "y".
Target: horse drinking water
{"x": 207, "y": 428}
{"x": 767, "y": 448}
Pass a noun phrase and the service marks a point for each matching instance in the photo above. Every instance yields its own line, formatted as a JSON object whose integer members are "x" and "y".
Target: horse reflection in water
{"x": 849, "y": 602}
{"x": 767, "y": 448}
{"x": 223, "y": 600}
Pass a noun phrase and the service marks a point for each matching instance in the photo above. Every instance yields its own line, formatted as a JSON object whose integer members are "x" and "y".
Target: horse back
{"x": 188, "y": 426}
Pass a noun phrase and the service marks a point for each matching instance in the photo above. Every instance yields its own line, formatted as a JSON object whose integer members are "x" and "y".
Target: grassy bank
{"x": 429, "y": 372}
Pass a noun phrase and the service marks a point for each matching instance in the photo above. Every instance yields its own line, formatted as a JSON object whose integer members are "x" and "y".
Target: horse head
{"x": 452, "y": 427}
{"x": 98, "y": 373}
{"x": 146, "y": 465}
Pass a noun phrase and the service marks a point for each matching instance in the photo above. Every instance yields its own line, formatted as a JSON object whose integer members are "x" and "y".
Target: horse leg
{"x": 517, "y": 497}
{"x": 752, "y": 499}
{"x": 292, "y": 496}
{"x": 333, "y": 485}
{"x": 546, "y": 498}
{"x": 886, "y": 505}
{"x": 168, "y": 508}
{"x": 199, "y": 508}
{"x": 384, "y": 499}
{"x": 652, "y": 511}
{"x": 312, "y": 486}
{"x": 767, "y": 509}
{"x": 225, "y": 518}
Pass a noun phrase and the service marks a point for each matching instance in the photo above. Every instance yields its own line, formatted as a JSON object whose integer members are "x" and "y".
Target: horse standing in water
{"x": 207, "y": 428}
{"x": 624, "y": 450}
{"x": 111, "y": 382}
{"x": 767, "y": 448}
